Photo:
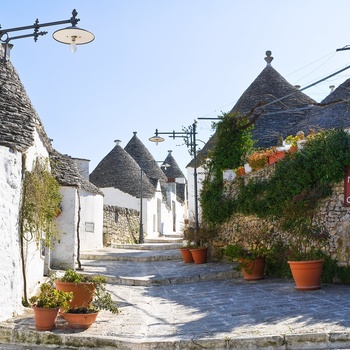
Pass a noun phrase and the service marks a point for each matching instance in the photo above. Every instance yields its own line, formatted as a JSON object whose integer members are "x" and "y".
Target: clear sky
{"x": 163, "y": 63}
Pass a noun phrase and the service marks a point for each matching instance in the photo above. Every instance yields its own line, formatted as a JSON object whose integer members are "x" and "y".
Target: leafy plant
{"x": 293, "y": 140}
{"x": 233, "y": 143}
{"x": 102, "y": 300}
{"x": 40, "y": 204}
{"x": 49, "y": 297}
{"x": 259, "y": 159}
{"x": 251, "y": 240}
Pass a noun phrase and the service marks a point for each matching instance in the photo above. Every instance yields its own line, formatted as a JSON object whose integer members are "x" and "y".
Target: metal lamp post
{"x": 190, "y": 138}
{"x": 141, "y": 238}
{"x": 71, "y": 35}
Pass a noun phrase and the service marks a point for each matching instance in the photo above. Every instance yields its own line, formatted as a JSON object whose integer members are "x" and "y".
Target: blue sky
{"x": 163, "y": 63}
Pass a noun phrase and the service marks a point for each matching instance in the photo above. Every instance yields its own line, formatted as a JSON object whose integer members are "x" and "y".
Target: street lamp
{"x": 71, "y": 35}
{"x": 189, "y": 135}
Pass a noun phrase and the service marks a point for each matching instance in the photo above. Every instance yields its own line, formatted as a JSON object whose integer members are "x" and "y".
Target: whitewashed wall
{"x": 201, "y": 172}
{"x": 91, "y": 223}
{"x": 34, "y": 260}
{"x": 157, "y": 218}
{"x": 113, "y": 196}
{"x": 11, "y": 278}
{"x": 11, "y": 282}
{"x": 64, "y": 255}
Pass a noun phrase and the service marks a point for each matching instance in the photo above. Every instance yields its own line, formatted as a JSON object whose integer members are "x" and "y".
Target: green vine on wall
{"x": 233, "y": 143}
{"x": 293, "y": 192}
{"x": 41, "y": 201}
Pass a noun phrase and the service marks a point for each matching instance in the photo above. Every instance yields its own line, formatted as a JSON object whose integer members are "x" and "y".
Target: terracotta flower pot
{"x": 83, "y": 292}
{"x": 186, "y": 255}
{"x": 307, "y": 274}
{"x": 253, "y": 270}
{"x": 293, "y": 149}
{"x": 240, "y": 171}
{"x": 45, "y": 318}
{"x": 276, "y": 156}
{"x": 79, "y": 321}
{"x": 199, "y": 255}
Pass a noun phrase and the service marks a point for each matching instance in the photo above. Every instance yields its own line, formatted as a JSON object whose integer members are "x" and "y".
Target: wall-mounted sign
{"x": 347, "y": 187}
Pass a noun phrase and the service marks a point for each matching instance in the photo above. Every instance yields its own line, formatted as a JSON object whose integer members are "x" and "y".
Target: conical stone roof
{"x": 172, "y": 171}
{"x": 333, "y": 111}
{"x": 170, "y": 168}
{"x": 144, "y": 159}
{"x": 281, "y": 118}
{"x": 18, "y": 118}
{"x": 119, "y": 170}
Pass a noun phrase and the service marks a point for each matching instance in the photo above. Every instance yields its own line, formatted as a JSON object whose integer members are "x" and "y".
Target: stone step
{"x": 129, "y": 254}
{"x": 150, "y": 246}
{"x": 158, "y": 272}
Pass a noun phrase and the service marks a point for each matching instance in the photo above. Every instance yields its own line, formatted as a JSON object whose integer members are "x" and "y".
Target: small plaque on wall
{"x": 89, "y": 226}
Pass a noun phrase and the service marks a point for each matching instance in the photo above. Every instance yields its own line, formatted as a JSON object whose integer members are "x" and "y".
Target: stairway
{"x": 156, "y": 262}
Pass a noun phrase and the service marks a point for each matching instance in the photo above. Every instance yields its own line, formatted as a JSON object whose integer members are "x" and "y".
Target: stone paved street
{"x": 165, "y": 313}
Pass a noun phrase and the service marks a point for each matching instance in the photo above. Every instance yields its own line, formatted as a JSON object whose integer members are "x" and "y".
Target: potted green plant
{"x": 305, "y": 255}
{"x": 251, "y": 262}
{"x": 83, "y": 287}
{"x": 197, "y": 239}
{"x": 47, "y": 304}
{"x": 250, "y": 246}
{"x": 90, "y": 298}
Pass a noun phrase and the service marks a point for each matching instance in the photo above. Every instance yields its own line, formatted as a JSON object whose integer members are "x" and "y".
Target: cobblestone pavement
{"x": 226, "y": 314}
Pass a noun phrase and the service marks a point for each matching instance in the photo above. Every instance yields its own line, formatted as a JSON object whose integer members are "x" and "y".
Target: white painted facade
{"x": 157, "y": 217}
{"x": 64, "y": 254}
{"x": 39, "y": 259}
{"x": 11, "y": 281}
{"x": 11, "y": 277}
{"x": 201, "y": 173}
{"x": 90, "y": 219}
{"x": 91, "y": 222}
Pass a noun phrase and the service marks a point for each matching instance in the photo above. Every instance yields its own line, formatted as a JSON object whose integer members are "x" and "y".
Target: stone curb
{"x": 10, "y": 335}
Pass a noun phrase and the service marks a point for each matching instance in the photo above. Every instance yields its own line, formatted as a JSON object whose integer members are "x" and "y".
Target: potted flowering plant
{"x": 293, "y": 140}
{"x": 259, "y": 159}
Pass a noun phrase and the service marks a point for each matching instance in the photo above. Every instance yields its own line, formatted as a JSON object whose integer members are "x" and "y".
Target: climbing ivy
{"x": 233, "y": 141}
{"x": 299, "y": 181}
{"x": 40, "y": 204}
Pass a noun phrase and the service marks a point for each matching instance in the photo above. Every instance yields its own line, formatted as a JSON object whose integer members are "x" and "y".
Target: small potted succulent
{"x": 47, "y": 304}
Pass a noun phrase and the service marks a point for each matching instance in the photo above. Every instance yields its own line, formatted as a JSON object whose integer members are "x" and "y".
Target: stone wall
{"x": 331, "y": 214}
{"x": 120, "y": 225}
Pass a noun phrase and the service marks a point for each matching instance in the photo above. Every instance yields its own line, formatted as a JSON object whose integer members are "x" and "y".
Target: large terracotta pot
{"x": 83, "y": 292}
{"x": 79, "y": 321}
{"x": 199, "y": 255}
{"x": 186, "y": 255}
{"x": 307, "y": 274}
{"x": 45, "y": 318}
{"x": 253, "y": 270}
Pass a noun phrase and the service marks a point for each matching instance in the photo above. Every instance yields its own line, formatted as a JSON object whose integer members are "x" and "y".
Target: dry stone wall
{"x": 120, "y": 225}
{"x": 331, "y": 214}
